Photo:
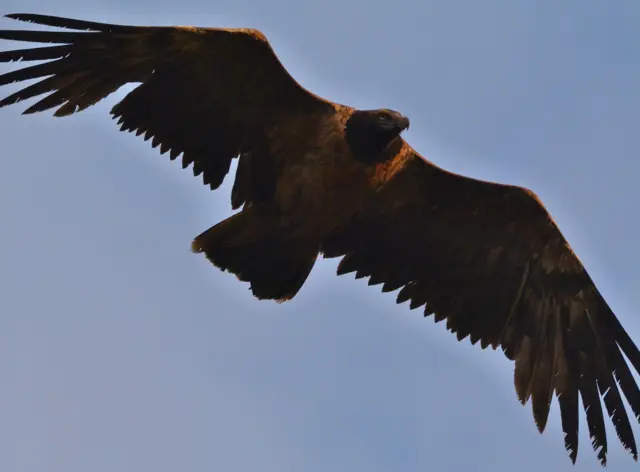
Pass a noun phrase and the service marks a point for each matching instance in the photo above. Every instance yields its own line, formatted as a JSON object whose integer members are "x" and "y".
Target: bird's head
{"x": 381, "y": 121}
{"x": 369, "y": 132}
{"x": 389, "y": 121}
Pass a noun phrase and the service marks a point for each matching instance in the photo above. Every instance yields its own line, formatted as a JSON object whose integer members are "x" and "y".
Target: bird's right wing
{"x": 208, "y": 93}
{"x": 489, "y": 259}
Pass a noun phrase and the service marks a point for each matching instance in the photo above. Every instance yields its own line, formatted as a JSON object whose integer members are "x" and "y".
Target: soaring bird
{"x": 317, "y": 177}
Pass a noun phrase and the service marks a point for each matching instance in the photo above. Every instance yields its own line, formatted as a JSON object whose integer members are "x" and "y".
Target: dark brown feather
{"x": 206, "y": 93}
{"x": 252, "y": 246}
{"x": 489, "y": 259}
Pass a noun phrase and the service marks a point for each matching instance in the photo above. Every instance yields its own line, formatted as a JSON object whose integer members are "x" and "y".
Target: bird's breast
{"x": 323, "y": 187}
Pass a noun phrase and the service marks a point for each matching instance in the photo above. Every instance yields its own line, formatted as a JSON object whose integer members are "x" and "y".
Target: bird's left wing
{"x": 209, "y": 94}
{"x": 489, "y": 260}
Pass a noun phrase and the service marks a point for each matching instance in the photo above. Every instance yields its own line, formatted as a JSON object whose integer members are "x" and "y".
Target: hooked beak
{"x": 403, "y": 123}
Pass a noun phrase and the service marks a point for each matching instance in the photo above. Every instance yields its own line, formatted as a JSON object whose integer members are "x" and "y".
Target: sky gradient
{"x": 122, "y": 351}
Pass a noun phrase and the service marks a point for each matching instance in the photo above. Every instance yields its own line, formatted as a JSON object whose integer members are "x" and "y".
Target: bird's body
{"x": 316, "y": 177}
{"x": 324, "y": 184}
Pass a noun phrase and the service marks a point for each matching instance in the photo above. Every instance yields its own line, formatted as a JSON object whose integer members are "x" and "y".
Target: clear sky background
{"x": 122, "y": 351}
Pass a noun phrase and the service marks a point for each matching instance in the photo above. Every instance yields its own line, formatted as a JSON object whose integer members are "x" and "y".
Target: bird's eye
{"x": 382, "y": 117}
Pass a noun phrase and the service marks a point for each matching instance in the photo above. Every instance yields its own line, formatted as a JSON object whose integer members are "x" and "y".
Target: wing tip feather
{"x": 63, "y": 22}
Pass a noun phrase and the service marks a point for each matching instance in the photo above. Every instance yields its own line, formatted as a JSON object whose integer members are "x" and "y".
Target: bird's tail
{"x": 82, "y": 67}
{"x": 252, "y": 246}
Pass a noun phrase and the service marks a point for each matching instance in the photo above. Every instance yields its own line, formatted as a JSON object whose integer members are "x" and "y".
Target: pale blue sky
{"x": 122, "y": 351}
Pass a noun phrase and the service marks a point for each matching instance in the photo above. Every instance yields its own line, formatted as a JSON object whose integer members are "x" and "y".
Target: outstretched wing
{"x": 489, "y": 259}
{"x": 208, "y": 93}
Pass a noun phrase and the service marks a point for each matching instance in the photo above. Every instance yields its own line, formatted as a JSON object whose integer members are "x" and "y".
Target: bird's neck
{"x": 371, "y": 145}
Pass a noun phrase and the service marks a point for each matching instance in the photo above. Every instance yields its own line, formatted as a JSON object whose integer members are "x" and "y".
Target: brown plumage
{"x": 318, "y": 177}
